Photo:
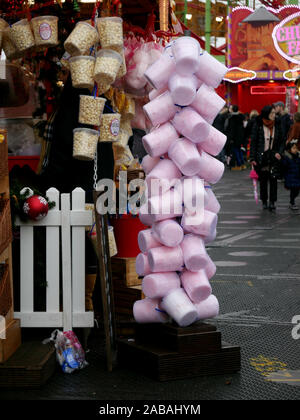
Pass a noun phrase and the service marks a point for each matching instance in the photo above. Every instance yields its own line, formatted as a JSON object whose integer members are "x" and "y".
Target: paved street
{"x": 258, "y": 287}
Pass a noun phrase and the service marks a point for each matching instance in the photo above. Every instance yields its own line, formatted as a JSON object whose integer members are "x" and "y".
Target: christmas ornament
{"x": 36, "y": 207}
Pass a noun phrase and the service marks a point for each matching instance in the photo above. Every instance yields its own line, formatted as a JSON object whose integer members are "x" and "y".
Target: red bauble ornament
{"x": 36, "y": 207}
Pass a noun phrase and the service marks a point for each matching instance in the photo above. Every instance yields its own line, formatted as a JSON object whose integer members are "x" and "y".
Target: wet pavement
{"x": 258, "y": 286}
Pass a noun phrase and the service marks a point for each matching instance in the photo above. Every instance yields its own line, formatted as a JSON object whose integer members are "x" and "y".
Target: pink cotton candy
{"x": 193, "y": 193}
{"x": 160, "y": 71}
{"x": 149, "y": 310}
{"x": 186, "y": 51}
{"x": 146, "y": 240}
{"x": 212, "y": 203}
{"x": 158, "y": 141}
{"x": 157, "y": 285}
{"x": 185, "y": 155}
{"x": 165, "y": 206}
{"x": 210, "y": 237}
{"x": 142, "y": 265}
{"x": 162, "y": 177}
{"x": 178, "y": 305}
{"x": 164, "y": 259}
{"x": 214, "y": 143}
{"x": 183, "y": 89}
{"x": 210, "y": 70}
{"x": 194, "y": 253}
{"x": 160, "y": 109}
{"x": 196, "y": 285}
{"x": 203, "y": 226}
{"x": 207, "y": 103}
{"x": 168, "y": 232}
{"x": 149, "y": 162}
{"x": 210, "y": 268}
{"x": 154, "y": 93}
{"x": 191, "y": 125}
{"x": 208, "y": 308}
{"x": 211, "y": 168}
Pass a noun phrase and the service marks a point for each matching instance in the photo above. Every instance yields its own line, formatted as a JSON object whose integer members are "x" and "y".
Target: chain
{"x": 96, "y": 169}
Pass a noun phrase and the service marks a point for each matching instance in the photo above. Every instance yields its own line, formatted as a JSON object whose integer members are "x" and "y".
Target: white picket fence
{"x": 68, "y": 219}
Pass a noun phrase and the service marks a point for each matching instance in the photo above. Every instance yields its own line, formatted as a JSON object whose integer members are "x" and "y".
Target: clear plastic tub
{"x": 82, "y": 71}
{"x": 91, "y": 109}
{"x": 110, "y": 127}
{"x": 84, "y": 143}
{"x": 81, "y": 39}
{"x": 8, "y": 46}
{"x": 107, "y": 66}
{"x": 21, "y": 35}
{"x": 110, "y": 31}
{"x": 45, "y": 30}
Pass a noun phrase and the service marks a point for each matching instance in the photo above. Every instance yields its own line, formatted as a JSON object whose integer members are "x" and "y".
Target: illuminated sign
{"x": 286, "y": 38}
{"x": 292, "y": 74}
{"x": 236, "y": 75}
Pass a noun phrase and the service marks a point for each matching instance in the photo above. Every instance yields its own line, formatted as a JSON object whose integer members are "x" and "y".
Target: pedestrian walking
{"x": 219, "y": 124}
{"x": 265, "y": 149}
{"x": 235, "y": 132}
{"x": 248, "y": 130}
{"x": 291, "y": 171}
{"x": 284, "y": 118}
{"x": 294, "y": 133}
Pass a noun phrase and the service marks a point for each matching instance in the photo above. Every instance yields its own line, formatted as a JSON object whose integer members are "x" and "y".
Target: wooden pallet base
{"x": 12, "y": 340}
{"x": 30, "y": 366}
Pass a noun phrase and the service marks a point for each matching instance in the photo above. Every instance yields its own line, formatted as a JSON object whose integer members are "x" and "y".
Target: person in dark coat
{"x": 284, "y": 118}
{"x": 219, "y": 124}
{"x": 291, "y": 170}
{"x": 235, "y": 136}
{"x": 294, "y": 133}
{"x": 266, "y": 146}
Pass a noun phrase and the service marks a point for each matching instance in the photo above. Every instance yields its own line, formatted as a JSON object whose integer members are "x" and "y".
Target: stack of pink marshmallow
{"x": 181, "y": 209}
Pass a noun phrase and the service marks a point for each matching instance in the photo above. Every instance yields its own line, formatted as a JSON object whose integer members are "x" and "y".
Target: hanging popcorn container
{"x": 102, "y": 87}
{"x": 84, "y": 143}
{"x": 81, "y": 39}
{"x": 8, "y": 46}
{"x": 110, "y": 31}
{"x": 3, "y": 25}
{"x": 82, "y": 71}
{"x": 123, "y": 69}
{"x": 110, "y": 127}
{"x": 45, "y": 31}
{"x": 129, "y": 108}
{"x": 91, "y": 109}
{"x": 22, "y": 36}
{"x": 107, "y": 66}
{"x": 123, "y": 138}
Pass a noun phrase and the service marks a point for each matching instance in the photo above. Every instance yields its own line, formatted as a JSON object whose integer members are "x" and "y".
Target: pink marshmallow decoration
{"x": 146, "y": 240}
{"x": 210, "y": 268}
{"x": 149, "y": 162}
{"x": 207, "y": 103}
{"x": 154, "y": 93}
{"x": 158, "y": 141}
{"x": 164, "y": 259}
{"x": 193, "y": 193}
{"x": 212, "y": 169}
{"x": 149, "y": 310}
{"x": 183, "y": 89}
{"x": 212, "y": 203}
{"x": 196, "y": 285}
{"x": 157, "y": 285}
{"x": 168, "y": 232}
{"x": 165, "y": 206}
{"x": 191, "y": 125}
{"x": 185, "y": 155}
{"x": 186, "y": 51}
{"x": 144, "y": 215}
{"x": 178, "y": 305}
{"x": 160, "y": 71}
{"x": 211, "y": 237}
{"x": 208, "y": 308}
{"x": 161, "y": 109}
{"x": 214, "y": 143}
{"x": 210, "y": 70}
{"x": 164, "y": 174}
{"x": 142, "y": 265}
{"x": 204, "y": 226}
{"x": 194, "y": 253}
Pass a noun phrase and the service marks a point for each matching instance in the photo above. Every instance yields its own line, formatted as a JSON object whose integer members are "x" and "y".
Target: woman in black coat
{"x": 291, "y": 169}
{"x": 265, "y": 154}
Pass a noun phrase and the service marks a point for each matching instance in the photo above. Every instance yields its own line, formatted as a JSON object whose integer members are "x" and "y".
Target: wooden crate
{"x": 124, "y": 298}
{"x": 30, "y": 366}
{"x": 123, "y": 270}
{"x": 12, "y": 339}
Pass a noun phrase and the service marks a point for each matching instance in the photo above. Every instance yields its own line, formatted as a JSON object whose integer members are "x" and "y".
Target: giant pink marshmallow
{"x": 160, "y": 71}
{"x": 185, "y": 155}
{"x": 161, "y": 109}
{"x": 146, "y": 240}
{"x": 212, "y": 169}
{"x": 142, "y": 265}
{"x": 168, "y": 232}
{"x": 149, "y": 162}
{"x": 211, "y": 237}
{"x": 207, "y": 103}
{"x": 183, "y": 89}
{"x": 165, "y": 206}
{"x": 193, "y": 193}
{"x": 186, "y": 51}
{"x": 158, "y": 285}
{"x": 191, "y": 125}
{"x": 165, "y": 258}
{"x": 201, "y": 225}
{"x": 162, "y": 176}
{"x": 154, "y": 93}
{"x": 145, "y": 216}
{"x": 178, "y": 305}
{"x": 194, "y": 252}
{"x": 214, "y": 143}
{"x": 149, "y": 310}
{"x": 158, "y": 141}
{"x": 196, "y": 285}
{"x": 210, "y": 70}
{"x": 208, "y": 308}
{"x": 210, "y": 268}
{"x": 212, "y": 203}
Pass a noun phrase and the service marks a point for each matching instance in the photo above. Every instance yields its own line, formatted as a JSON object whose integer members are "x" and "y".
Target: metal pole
{"x": 207, "y": 25}
{"x": 185, "y": 12}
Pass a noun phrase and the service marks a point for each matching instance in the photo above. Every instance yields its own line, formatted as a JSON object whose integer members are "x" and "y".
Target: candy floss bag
{"x": 69, "y": 352}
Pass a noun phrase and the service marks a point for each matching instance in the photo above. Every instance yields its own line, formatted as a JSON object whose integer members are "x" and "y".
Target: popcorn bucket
{"x": 45, "y": 30}
{"x": 107, "y": 66}
{"x": 90, "y": 110}
{"x": 81, "y": 39}
{"x": 84, "y": 143}
{"x": 110, "y": 31}
{"x": 82, "y": 71}
{"x": 21, "y": 35}
{"x": 110, "y": 127}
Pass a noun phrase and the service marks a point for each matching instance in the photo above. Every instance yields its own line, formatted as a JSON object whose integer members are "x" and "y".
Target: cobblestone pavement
{"x": 258, "y": 286}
